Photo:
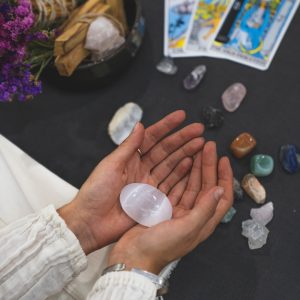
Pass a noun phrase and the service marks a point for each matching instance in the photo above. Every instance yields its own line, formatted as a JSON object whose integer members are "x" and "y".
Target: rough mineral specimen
{"x": 290, "y": 158}
{"x": 194, "y": 78}
{"x": 261, "y": 165}
{"x": 145, "y": 204}
{"x": 167, "y": 66}
{"x": 212, "y": 117}
{"x": 237, "y": 189}
{"x": 256, "y": 233}
{"x": 229, "y": 215}
{"x": 254, "y": 189}
{"x": 233, "y": 96}
{"x": 124, "y": 121}
{"x": 242, "y": 145}
{"x": 264, "y": 214}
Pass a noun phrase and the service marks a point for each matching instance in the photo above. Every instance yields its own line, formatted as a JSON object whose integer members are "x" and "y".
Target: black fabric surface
{"x": 66, "y": 132}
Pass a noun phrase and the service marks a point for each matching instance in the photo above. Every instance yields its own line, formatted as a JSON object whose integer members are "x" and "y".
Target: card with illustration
{"x": 208, "y": 16}
{"x": 178, "y": 14}
{"x": 256, "y": 32}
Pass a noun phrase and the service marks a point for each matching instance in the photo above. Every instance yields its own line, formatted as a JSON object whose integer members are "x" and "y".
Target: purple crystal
{"x": 194, "y": 78}
{"x": 233, "y": 96}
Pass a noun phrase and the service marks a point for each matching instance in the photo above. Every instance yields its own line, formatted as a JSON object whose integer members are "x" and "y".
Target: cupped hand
{"x": 199, "y": 200}
{"x": 95, "y": 215}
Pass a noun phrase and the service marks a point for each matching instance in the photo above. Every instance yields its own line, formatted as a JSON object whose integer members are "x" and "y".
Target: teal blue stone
{"x": 229, "y": 215}
{"x": 262, "y": 165}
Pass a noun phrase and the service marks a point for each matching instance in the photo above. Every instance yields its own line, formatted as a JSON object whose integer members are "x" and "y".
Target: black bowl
{"x": 92, "y": 74}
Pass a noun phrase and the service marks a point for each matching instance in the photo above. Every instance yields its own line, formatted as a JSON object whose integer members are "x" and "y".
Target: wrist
{"x": 79, "y": 226}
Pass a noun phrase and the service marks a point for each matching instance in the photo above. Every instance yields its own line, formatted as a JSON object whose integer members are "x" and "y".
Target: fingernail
{"x": 218, "y": 193}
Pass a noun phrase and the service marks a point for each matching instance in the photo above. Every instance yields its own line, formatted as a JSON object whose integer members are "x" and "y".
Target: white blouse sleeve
{"x": 123, "y": 286}
{"x": 39, "y": 256}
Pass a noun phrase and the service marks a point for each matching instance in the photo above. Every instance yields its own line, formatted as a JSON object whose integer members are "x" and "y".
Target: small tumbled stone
{"x": 290, "y": 158}
{"x": 192, "y": 80}
{"x": 254, "y": 189}
{"x": 233, "y": 96}
{"x": 261, "y": 165}
{"x": 237, "y": 189}
{"x": 256, "y": 233}
{"x": 243, "y": 145}
{"x": 212, "y": 117}
{"x": 167, "y": 66}
{"x": 229, "y": 215}
{"x": 264, "y": 214}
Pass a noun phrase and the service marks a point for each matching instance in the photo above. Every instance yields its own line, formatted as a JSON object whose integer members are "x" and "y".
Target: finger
{"x": 178, "y": 173}
{"x": 161, "y": 171}
{"x": 177, "y": 191}
{"x": 225, "y": 180}
{"x": 206, "y": 206}
{"x": 209, "y": 166}
{"x": 157, "y": 131}
{"x": 194, "y": 184}
{"x": 171, "y": 143}
{"x": 129, "y": 147}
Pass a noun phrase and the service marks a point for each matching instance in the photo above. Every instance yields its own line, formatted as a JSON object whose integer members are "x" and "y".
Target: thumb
{"x": 130, "y": 146}
{"x": 206, "y": 205}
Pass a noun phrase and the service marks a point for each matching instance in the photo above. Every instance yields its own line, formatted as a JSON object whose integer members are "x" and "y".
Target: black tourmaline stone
{"x": 212, "y": 117}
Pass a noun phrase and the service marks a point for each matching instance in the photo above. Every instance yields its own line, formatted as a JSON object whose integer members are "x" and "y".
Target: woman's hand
{"x": 95, "y": 215}
{"x": 200, "y": 202}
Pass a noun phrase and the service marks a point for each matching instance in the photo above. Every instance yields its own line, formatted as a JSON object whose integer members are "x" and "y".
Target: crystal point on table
{"x": 264, "y": 214}
{"x": 261, "y": 165}
{"x": 167, "y": 66}
{"x": 229, "y": 215}
{"x": 212, "y": 117}
{"x": 237, "y": 189}
{"x": 290, "y": 158}
{"x": 123, "y": 122}
{"x": 243, "y": 145}
{"x": 145, "y": 204}
{"x": 254, "y": 188}
{"x": 233, "y": 96}
{"x": 256, "y": 233}
{"x": 192, "y": 80}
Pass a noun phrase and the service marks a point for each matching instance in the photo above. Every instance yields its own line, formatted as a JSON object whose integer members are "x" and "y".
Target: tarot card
{"x": 208, "y": 16}
{"x": 178, "y": 14}
{"x": 257, "y": 31}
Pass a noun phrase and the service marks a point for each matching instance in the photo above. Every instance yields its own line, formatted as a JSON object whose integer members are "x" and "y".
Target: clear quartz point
{"x": 167, "y": 66}
{"x": 192, "y": 80}
{"x": 145, "y": 204}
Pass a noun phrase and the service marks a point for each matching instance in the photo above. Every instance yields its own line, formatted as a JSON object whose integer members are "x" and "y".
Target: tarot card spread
{"x": 208, "y": 15}
{"x": 257, "y": 32}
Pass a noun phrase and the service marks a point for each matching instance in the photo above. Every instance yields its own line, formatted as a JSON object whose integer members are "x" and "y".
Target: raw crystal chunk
{"x": 167, "y": 66}
{"x": 254, "y": 189}
{"x": 290, "y": 158}
{"x": 237, "y": 189}
{"x": 261, "y": 165}
{"x": 242, "y": 145}
{"x": 256, "y": 233}
{"x": 145, "y": 204}
{"x": 264, "y": 214}
{"x": 233, "y": 96}
{"x": 229, "y": 215}
{"x": 212, "y": 117}
{"x": 124, "y": 121}
{"x": 194, "y": 78}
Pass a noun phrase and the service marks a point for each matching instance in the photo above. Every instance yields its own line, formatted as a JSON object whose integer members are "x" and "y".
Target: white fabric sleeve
{"x": 39, "y": 256}
{"x": 123, "y": 285}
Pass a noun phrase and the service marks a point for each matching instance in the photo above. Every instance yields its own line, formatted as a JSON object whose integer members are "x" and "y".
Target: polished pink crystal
{"x": 233, "y": 96}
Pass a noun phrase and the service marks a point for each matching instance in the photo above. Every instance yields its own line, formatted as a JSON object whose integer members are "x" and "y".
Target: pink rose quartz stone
{"x": 233, "y": 96}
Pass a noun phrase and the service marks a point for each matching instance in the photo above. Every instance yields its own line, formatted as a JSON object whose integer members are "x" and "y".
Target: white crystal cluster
{"x": 145, "y": 204}
{"x": 123, "y": 122}
{"x": 102, "y": 37}
{"x": 255, "y": 229}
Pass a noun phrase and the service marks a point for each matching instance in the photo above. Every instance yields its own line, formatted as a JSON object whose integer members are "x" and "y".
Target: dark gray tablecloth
{"x": 66, "y": 132}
